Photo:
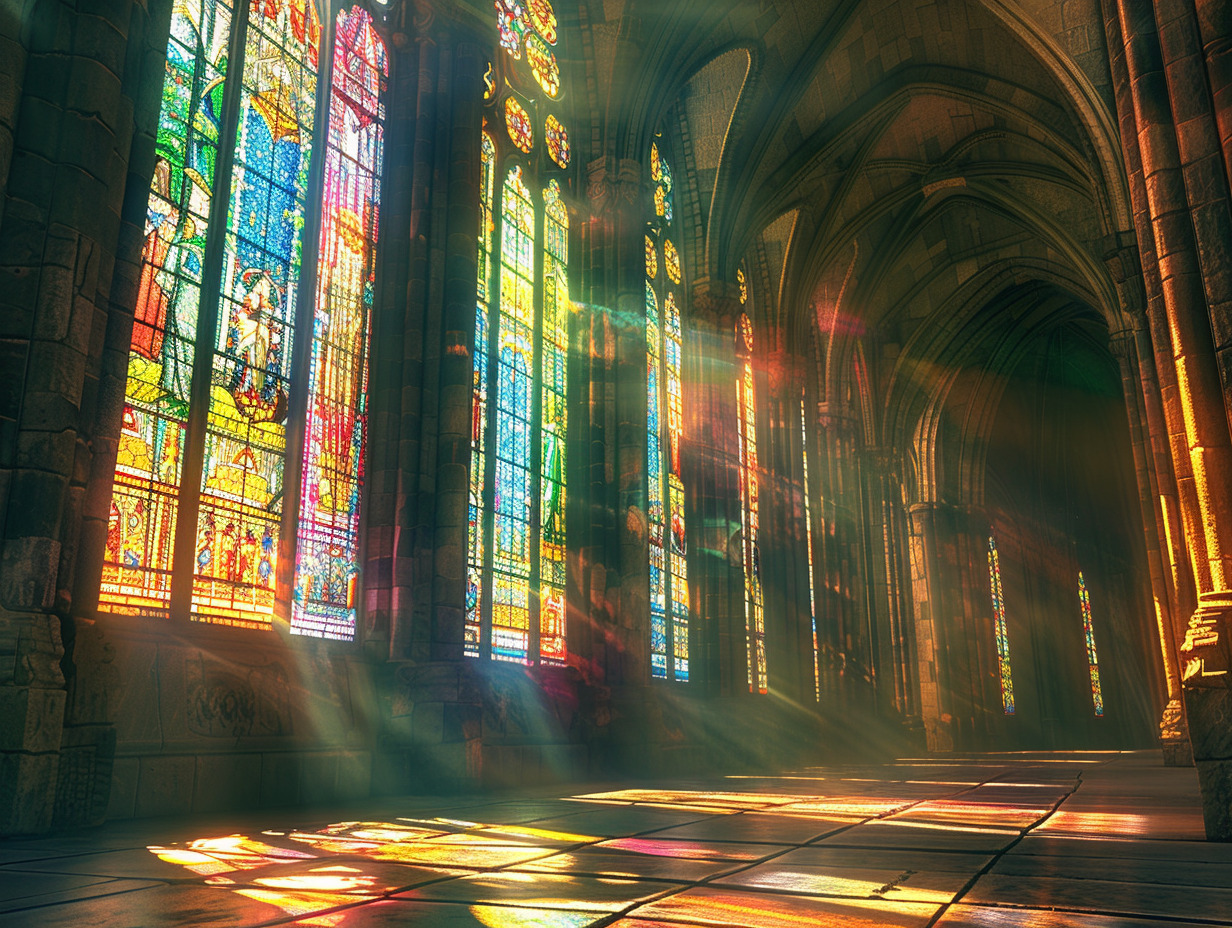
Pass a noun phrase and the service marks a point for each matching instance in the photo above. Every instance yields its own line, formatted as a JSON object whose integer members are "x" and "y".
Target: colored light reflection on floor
{"x": 208, "y": 856}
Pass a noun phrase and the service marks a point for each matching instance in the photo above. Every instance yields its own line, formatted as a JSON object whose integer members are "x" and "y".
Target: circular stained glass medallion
{"x": 671, "y": 260}
{"x": 558, "y": 141}
{"x": 543, "y": 18}
{"x": 517, "y": 121}
{"x": 511, "y": 22}
{"x": 543, "y": 64}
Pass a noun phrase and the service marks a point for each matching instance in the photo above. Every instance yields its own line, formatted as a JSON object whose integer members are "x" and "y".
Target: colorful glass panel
{"x": 479, "y": 407}
{"x": 517, "y": 121}
{"x": 808, "y": 544}
{"x": 558, "y": 141}
{"x": 543, "y": 18}
{"x": 671, "y": 261}
{"x": 543, "y": 65}
{"x": 1000, "y": 627}
{"x": 515, "y": 359}
{"x": 678, "y": 561}
{"x": 669, "y": 581}
{"x": 327, "y": 550}
{"x": 511, "y": 25}
{"x": 242, "y": 494}
{"x": 141, "y": 528}
{"x": 754, "y": 606}
{"x": 1088, "y": 630}
{"x": 516, "y": 608}
{"x": 654, "y": 484}
{"x": 553, "y": 422}
{"x": 743, "y": 283}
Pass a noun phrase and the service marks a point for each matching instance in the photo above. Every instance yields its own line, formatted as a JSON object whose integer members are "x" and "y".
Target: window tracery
{"x": 515, "y": 596}
{"x": 669, "y": 576}
{"x": 207, "y": 493}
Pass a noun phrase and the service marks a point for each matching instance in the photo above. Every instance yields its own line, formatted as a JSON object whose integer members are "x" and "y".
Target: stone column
{"x": 1164, "y": 215}
{"x": 1174, "y": 736}
{"x": 713, "y": 490}
{"x": 614, "y": 608}
{"x": 63, "y": 174}
{"x": 422, "y": 362}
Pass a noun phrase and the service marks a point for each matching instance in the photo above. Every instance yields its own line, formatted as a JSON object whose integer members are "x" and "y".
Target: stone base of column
{"x": 1207, "y": 659}
{"x": 435, "y": 731}
{"x": 1174, "y": 736}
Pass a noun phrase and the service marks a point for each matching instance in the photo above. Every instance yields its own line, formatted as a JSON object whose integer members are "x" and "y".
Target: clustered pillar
{"x": 1170, "y": 69}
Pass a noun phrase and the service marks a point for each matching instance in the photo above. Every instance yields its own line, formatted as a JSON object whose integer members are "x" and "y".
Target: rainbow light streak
{"x": 1002, "y": 632}
{"x": 808, "y": 543}
{"x": 1088, "y": 630}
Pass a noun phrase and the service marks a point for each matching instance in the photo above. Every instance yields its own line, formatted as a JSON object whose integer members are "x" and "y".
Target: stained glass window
{"x": 746, "y": 421}
{"x": 1088, "y": 630}
{"x": 669, "y": 576}
{"x": 671, "y": 261}
{"x": 808, "y": 537}
{"x": 517, "y": 121}
{"x": 327, "y": 554}
{"x": 516, "y": 570}
{"x": 558, "y": 141}
{"x": 1000, "y": 628}
{"x": 511, "y": 25}
{"x": 543, "y": 64}
{"x": 205, "y": 431}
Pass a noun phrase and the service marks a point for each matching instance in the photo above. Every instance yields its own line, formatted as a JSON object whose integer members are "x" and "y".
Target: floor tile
{"x": 542, "y": 890}
{"x": 925, "y": 837}
{"x": 1181, "y": 873}
{"x": 725, "y": 907}
{"x": 823, "y": 855}
{"x": 757, "y": 826}
{"x": 694, "y": 850}
{"x": 1121, "y": 898}
{"x": 400, "y": 913}
{"x": 860, "y": 883}
{"x": 24, "y": 890}
{"x": 630, "y": 865}
{"x": 971, "y": 916}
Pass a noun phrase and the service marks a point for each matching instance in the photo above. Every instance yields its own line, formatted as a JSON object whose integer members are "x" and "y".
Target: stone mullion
{"x": 61, "y": 224}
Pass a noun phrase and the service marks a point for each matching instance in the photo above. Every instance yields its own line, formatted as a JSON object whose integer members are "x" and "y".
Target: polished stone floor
{"x": 1009, "y": 840}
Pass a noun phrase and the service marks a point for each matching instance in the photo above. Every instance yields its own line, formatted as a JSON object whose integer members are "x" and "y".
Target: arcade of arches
{"x": 413, "y": 395}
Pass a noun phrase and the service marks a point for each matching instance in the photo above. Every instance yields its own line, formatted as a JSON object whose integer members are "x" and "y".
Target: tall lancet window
{"x": 244, "y": 340}
{"x": 746, "y": 422}
{"x": 808, "y": 543}
{"x": 1000, "y": 628}
{"x": 669, "y": 576}
{"x": 1088, "y": 632}
{"x": 515, "y": 598}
